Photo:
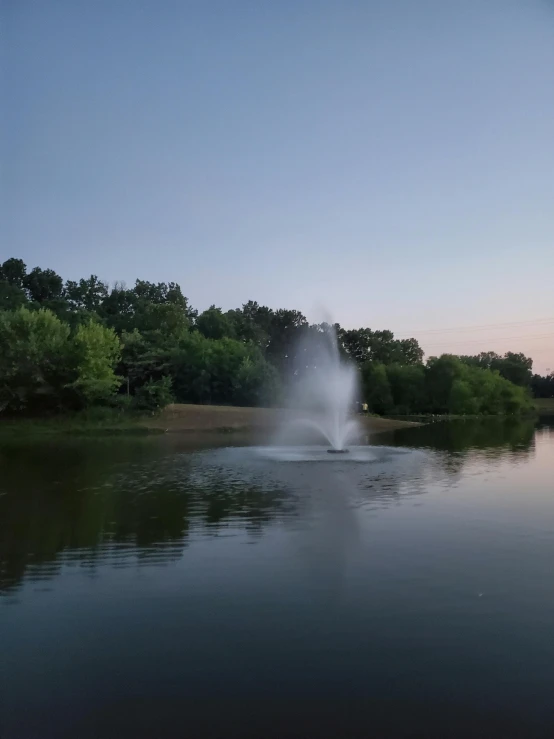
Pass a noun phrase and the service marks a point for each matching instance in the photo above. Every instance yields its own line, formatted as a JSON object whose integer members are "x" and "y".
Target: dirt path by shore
{"x": 189, "y": 418}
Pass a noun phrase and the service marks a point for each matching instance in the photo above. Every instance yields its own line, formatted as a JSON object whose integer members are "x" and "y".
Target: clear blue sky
{"x": 390, "y": 160}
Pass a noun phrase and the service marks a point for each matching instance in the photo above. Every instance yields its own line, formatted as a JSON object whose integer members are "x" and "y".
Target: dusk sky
{"x": 389, "y": 161}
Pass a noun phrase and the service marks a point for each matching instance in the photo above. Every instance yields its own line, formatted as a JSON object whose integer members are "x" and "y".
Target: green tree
{"x": 147, "y": 307}
{"x": 142, "y": 359}
{"x": 214, "y": 324}
{"x": 71, "y": 358}
{"x": 43, "y": 285}
{"x": 226, "y": 357}
{"x": 11, "y": 296}
{"x": 12, "y": 275}
{"x": 543, "y": 386}
{"x": 14, "y": 272}
{"x": 95, "y": 353}
{"x": 462, "y": 399}
{"x": 256, "y": 383}
{"x": 357, "y": 344}
{"x": 154, "y": 394}
{"x": 251, "y": 323}
{"x": 33, "y": 360}
{"x": 190, "y": 369}
{"x": 118, "y": 309}
{"x": 364, "y": 345}
{"x": 87, "y": 295}
{"x": 407, "y": 384}
{"x": 167, "y": 319}
{"x": 376, "y": 387}
{"x": 408, "y": 351}
{"x": 286, "y": 328}
{"x": 515, "y": 367}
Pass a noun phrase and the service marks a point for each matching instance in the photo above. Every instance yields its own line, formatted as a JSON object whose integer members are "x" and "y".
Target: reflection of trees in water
{"x": 494, "y": 437}
{"x": 92, "y": 502}
{"x": 88, "y": 503}
{"x": 453, "y": 445}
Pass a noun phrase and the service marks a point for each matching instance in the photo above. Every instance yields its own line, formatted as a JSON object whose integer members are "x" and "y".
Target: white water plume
{"x": 322, "y": 391}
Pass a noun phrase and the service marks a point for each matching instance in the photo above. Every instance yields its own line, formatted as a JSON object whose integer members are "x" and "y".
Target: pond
{"x": 175, "y": 586}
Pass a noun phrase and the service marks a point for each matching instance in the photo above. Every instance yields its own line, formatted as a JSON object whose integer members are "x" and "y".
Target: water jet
{"x": 322, "y": 389}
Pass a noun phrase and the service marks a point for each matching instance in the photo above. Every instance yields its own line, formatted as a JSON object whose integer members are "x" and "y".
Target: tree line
{"x": 67, "y": 345}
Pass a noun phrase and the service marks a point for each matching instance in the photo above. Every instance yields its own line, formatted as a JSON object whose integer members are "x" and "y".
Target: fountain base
{"x": 337, "y": 451}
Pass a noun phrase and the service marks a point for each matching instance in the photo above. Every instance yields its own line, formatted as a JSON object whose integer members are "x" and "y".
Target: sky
{"x": 389, "y": 161}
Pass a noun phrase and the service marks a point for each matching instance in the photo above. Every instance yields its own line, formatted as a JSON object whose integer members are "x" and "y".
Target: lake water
{"x": 178, "y": 587}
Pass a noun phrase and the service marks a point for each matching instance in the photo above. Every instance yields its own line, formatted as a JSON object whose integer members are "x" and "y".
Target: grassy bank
{"x": 176, "y": 418}
{"x": 188, "y": 418}
{"x": 180, "y": 417}
{"x": 102, "y": 421}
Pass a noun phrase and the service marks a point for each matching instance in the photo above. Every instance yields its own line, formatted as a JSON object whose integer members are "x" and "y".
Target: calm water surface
{"x": 168, "y": 587}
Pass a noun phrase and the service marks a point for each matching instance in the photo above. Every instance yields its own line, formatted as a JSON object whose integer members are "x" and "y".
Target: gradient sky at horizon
{"x": 390, "y": 161}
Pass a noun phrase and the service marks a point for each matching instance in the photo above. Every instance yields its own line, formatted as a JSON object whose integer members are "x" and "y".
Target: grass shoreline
{"x": 190, "y": 419}
{"x": 176, "y": 418}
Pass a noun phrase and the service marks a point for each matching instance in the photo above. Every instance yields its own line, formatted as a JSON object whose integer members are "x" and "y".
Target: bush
{"x": 256, "y": 383}
{"x": 96, "y": 351}
{"x": 376, "y": 387}
{"x": 154, "y": 395}
{"x": 34, "y": 360}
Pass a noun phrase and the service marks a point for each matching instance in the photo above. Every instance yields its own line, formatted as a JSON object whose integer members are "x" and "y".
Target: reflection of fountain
{"x": 322, "y": 392}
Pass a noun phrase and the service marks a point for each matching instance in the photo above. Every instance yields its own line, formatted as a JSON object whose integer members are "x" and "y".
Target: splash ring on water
{"x": 337, "y": 451}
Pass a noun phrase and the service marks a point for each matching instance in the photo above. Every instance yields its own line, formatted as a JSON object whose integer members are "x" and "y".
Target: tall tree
{"x": 14, "y": 272}
{"x": 33, "y": 360}
{"x": 543, "y": 386}
{"x": 365, "y": 345}
{"x": 12, "y": 276}
{"x": 376, "y": 387}
{"x": 286, "y": 328}
{"x": 515, "y": 367}
{"x": 214, "y": 324}
{"x": 44, "y": 285}
{"x": 95, "y": 353}
{"x": 87, "y": 294}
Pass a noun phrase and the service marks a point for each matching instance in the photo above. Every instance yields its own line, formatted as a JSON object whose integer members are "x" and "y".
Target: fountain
{"x": 322, "y": 392}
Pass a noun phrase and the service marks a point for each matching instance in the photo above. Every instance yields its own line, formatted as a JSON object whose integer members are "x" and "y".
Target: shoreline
{"x": 189, "y": 419}
{"x": 185, "y": 418}
{"x": 175, "y": 419}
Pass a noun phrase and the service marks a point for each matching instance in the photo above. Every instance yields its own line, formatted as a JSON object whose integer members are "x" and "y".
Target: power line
{"x": 494, "y": 340}
{"x": 480, "y": 327}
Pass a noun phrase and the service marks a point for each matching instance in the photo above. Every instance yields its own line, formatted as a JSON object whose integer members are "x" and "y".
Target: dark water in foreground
{"x": 150, "y": 589}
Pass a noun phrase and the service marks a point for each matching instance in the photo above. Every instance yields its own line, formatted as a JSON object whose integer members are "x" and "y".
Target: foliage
{"x": 13, "y": 271}
{"x": 462, "y": 400}
{"x": 376, "y": 387}
{"x": 513, "y": 367}
{"x": 43, "y": 285}
{"x": 256, "y": 383}
{"x": 69, "y": 345}
{"x": 45, "y": 367}
{"x": 154, "y": 395}
{"x": 407, "y": 383}
{"x": 214, "y": 324}
{"x": 365, "y": 345}
{"x": 33, "y": 360}
{"x": 12, "y": 293}
{"x": 11, "y": 296}
{"x": 543, "y": 387}
{"x": 95, "y": 352}
{"x": 87, "y": 294}
{"x": 445, "y": 385}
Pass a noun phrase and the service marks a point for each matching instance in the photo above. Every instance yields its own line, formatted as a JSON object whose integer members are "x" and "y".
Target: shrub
{"x": 154, "y": 395}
